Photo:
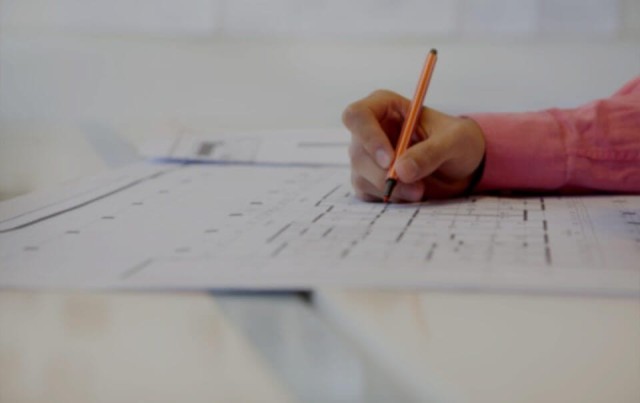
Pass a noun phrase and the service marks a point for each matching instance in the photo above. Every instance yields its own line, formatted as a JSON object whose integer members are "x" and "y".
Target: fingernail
{"x": 382, "y": 158}
{"x": 407, "y": 170}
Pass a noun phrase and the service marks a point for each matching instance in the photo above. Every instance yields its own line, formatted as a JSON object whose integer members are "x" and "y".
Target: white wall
{"x": 245, "y": 62}
{"x": 308, "y": 18}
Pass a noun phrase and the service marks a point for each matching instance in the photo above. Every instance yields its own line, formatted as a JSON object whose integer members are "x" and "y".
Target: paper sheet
{"x": 231, "y": 226}
{"x": 298, "y": 147}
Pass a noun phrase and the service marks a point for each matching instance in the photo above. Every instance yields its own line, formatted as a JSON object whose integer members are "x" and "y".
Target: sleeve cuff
{"x": 524, "y": 151}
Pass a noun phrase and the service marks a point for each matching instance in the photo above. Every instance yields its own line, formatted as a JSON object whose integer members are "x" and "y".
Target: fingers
{"x": 403, "y": 193}
{"x": 454, "y": 148}
{"x": 440, "y": 165}
{"x": 366, "y": 118}
{"x": 368, "y": 179}
{"x": 441, "y": 188}
{"x": 363, "y": 165}
{"x": 424, "y": 158}
{"x": 374, "y": 123}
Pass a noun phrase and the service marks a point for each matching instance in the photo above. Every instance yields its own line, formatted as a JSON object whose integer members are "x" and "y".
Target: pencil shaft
{"x": 410, "y": 122}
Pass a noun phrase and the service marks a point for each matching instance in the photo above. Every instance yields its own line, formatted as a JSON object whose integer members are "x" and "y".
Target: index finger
{"x": 363, "y": 119}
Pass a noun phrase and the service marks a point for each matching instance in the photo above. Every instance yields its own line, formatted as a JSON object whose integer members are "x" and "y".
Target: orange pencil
{"x": 409, "y": 125}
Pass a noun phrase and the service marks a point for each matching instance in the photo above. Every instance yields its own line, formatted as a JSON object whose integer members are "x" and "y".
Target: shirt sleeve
{"x": 594, "y": 147}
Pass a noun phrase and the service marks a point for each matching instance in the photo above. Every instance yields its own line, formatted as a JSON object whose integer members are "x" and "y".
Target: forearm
{"x": 593, "y": 147}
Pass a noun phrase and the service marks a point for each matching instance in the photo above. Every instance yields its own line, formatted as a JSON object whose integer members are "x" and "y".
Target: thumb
{"x": 422, "y": 159}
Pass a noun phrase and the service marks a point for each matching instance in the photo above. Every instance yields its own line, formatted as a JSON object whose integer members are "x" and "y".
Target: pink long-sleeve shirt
{"x": 594, "y": 147}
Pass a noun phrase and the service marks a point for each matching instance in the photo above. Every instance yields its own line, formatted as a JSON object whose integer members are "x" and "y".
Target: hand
{"x": 444, "y": 154}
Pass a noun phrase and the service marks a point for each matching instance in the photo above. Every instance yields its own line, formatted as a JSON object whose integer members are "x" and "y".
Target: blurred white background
{"x": 152, "y": 68}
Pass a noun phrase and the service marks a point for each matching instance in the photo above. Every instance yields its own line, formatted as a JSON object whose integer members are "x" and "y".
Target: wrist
{"x": 475, "y": 178}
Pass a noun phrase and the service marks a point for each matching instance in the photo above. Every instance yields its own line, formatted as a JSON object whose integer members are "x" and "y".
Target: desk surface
{"x": 500, "y": 347}
{"x": 126, "y": 347}
{"x": 79, "y": 347}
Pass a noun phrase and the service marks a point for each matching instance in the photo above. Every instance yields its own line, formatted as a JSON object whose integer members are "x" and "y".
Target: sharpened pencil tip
{"x": 434, "y": 51}
{"x": 388, "y": 189}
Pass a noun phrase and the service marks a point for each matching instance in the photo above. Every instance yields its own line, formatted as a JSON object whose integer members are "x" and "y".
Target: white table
{"x": 126, "y": 347}
{"x": 500, "y": 347}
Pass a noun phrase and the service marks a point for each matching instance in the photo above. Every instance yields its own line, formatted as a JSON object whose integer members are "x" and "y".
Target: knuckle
{"x": 381, "y": 93}
{"x": 431, "y": 152}
{"x": 371, "y": 139}
{"x": 421, "y": 161}
{"x": 352, "y": 114}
